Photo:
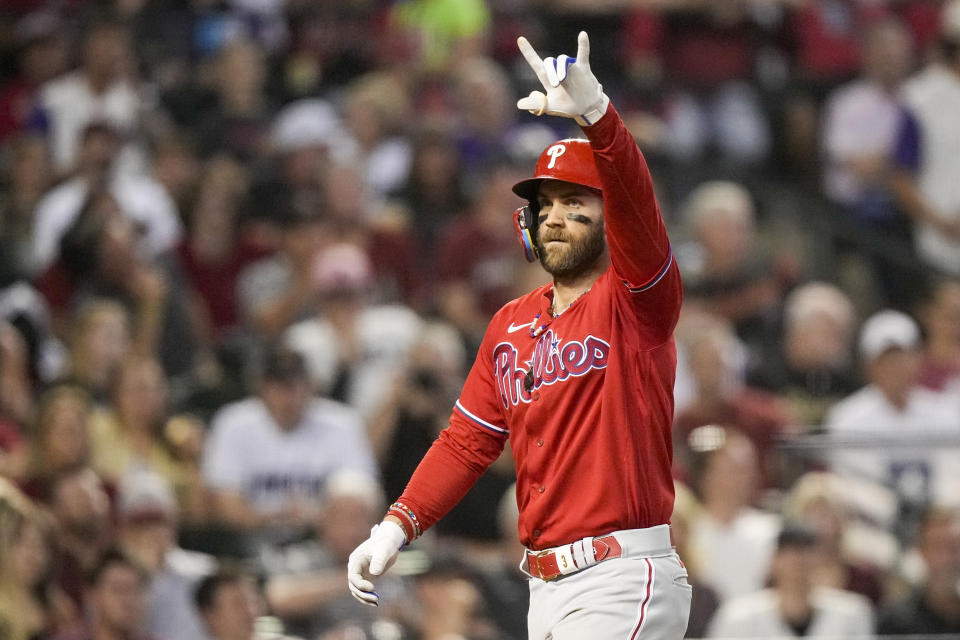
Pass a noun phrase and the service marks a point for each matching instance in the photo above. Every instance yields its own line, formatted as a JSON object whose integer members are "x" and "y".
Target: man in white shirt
{"x": 269, "y": 456}
{"x": 926, "y": 156}
{"x": 876, "y": 426}
{"x": 793, "y": 607}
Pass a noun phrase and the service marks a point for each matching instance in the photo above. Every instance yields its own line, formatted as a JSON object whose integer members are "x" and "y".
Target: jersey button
{"x": 541, "y": 489}
{"x": 536, "y": 396}
{"x": 539, "y": 443}
{"x": 536, "y": 533}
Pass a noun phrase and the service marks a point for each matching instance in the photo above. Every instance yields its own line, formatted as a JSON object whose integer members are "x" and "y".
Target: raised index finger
{"x": 532, "y": 59}
{"x": 583, "y": 48}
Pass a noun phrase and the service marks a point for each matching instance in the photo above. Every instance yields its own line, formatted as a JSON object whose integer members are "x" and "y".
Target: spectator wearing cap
{"x": 893, "y": 406}
{"x": 147, "y": 519}
{"x": 933, "y": 605}
{"x": 354, "y": 349}
{"x": 793, "y": 606}
{"x": 268, "y": 456}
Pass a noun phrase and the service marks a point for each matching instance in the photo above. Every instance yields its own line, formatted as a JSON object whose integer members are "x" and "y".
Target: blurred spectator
{"x": 893, "y": 407}
{"x": 354, "y": 216}
{"x": 353, "y": 348}
{"x": 716, "y": 360}
{"x": 477, "y": 258}
{"x": 304, "y": 584}
{"x": 231, "y": 605}
{"x": 116, "y": 600}
{"x": 732, "y": 540}
{"x": 704, "y": 600}
{"x": 103, "y": 90}
{"x": 434, "y": 191}
{"x": 26, "y": 177}
{"x": 925, "y": 182}
{"x": 16, "y": 387}
{"x": 794, "y": 606}
{"x": 413, "y": 417}
{"x": 933, "y": 606}
{"x": 147, "y": 515}
{"x": 268, "y": 456}
{"x": 41, "y": 55}
{"x": 816, "y": 501}
{"x": 215, "y": 250}
{"x": 140, "y": 199}
{"x": 137, "y": 432}
{"x": 378, "y": 113}
{"x": 435, "y": 35}
{"x": 99, "y": 258}
{"x": 723, "y": 269}
{"x": 60, "y": 440}
{"x": 939, "y": 315}
{"x": 23, "y": 307}
{"x": 98, "y": 342}
{"x": 811, "y": 364}
{"x": 238, "y": 121}
{"x": 80, "y": 507}
{"x": 486, "y": 112}
{"x": 31, "y": 605}
{"x": 276, "y": 291}
{"x": 860, "y": 129}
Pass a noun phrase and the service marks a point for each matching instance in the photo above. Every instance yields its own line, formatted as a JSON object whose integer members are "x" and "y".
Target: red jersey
{"x": 590, "y": 425}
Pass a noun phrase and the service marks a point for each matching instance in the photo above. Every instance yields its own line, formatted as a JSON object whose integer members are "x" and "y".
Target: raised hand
{"x": 572, "y": 91}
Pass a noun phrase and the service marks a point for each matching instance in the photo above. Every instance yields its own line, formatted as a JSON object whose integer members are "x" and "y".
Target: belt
{"x": 555, "y": 562}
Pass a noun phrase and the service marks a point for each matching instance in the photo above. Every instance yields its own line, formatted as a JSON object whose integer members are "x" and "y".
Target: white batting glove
{"x": 375, "y": 555}
{"x": 572, "y": 89}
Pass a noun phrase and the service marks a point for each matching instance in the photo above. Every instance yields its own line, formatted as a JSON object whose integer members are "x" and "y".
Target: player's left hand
{"x": 375, "y": 555}
{"x": 572, "y": 91}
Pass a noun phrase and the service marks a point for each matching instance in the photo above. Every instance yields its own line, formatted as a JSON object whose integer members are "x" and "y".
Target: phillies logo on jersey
{"x": 553, "y": 361}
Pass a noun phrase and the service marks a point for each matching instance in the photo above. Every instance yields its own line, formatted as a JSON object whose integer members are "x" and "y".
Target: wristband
{"x": 408, "y": 520}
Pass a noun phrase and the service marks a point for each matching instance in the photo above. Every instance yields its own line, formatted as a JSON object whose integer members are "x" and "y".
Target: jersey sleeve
{"x": 640, "y": 251}
{"x": 473, "y": 439}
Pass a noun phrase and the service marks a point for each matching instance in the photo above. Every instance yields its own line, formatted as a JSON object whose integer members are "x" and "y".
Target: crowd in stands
{"x": 248, "y": 250}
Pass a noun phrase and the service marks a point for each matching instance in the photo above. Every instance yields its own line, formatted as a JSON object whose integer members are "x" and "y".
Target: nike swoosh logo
{"x": 513, "y": 328}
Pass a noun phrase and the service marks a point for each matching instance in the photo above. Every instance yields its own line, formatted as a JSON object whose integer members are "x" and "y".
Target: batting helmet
{"x": 570, "y": 160}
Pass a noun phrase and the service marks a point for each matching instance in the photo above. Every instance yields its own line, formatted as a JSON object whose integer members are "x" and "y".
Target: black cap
{"x": 282, "y": 365}
{"x": 796, "y": 535}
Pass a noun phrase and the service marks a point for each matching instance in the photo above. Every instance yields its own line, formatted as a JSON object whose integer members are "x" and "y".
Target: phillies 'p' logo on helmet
{"x": 569, "y": 160}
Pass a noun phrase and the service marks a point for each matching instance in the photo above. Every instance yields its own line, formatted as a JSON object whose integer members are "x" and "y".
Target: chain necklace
{"x": 556, "y": 314}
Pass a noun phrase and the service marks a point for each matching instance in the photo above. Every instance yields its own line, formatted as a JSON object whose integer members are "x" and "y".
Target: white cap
{"x": 310, "y": 122}
{"x": 342, "y": 267}
{"x": 146, "y": 495}
{"x": 888, "y": 330}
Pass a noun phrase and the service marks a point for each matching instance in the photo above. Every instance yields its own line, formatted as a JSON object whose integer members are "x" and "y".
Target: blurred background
{"x": 248, "y": 249}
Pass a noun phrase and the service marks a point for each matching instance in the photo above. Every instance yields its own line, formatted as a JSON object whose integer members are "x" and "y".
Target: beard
{"x": 576, "y": 257}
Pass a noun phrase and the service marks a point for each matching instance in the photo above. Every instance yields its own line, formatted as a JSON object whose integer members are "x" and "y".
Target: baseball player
{"x": 578, "y": 374}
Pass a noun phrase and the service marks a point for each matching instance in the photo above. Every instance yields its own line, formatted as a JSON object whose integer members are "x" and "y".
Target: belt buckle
{"x": 538, "y": 555}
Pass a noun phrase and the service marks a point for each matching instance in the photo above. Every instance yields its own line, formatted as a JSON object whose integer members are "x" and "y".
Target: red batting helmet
{"x": 570, "y": 160}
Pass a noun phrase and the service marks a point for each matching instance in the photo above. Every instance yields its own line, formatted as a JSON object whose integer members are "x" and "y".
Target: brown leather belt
{"x": 550, "y": 564}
